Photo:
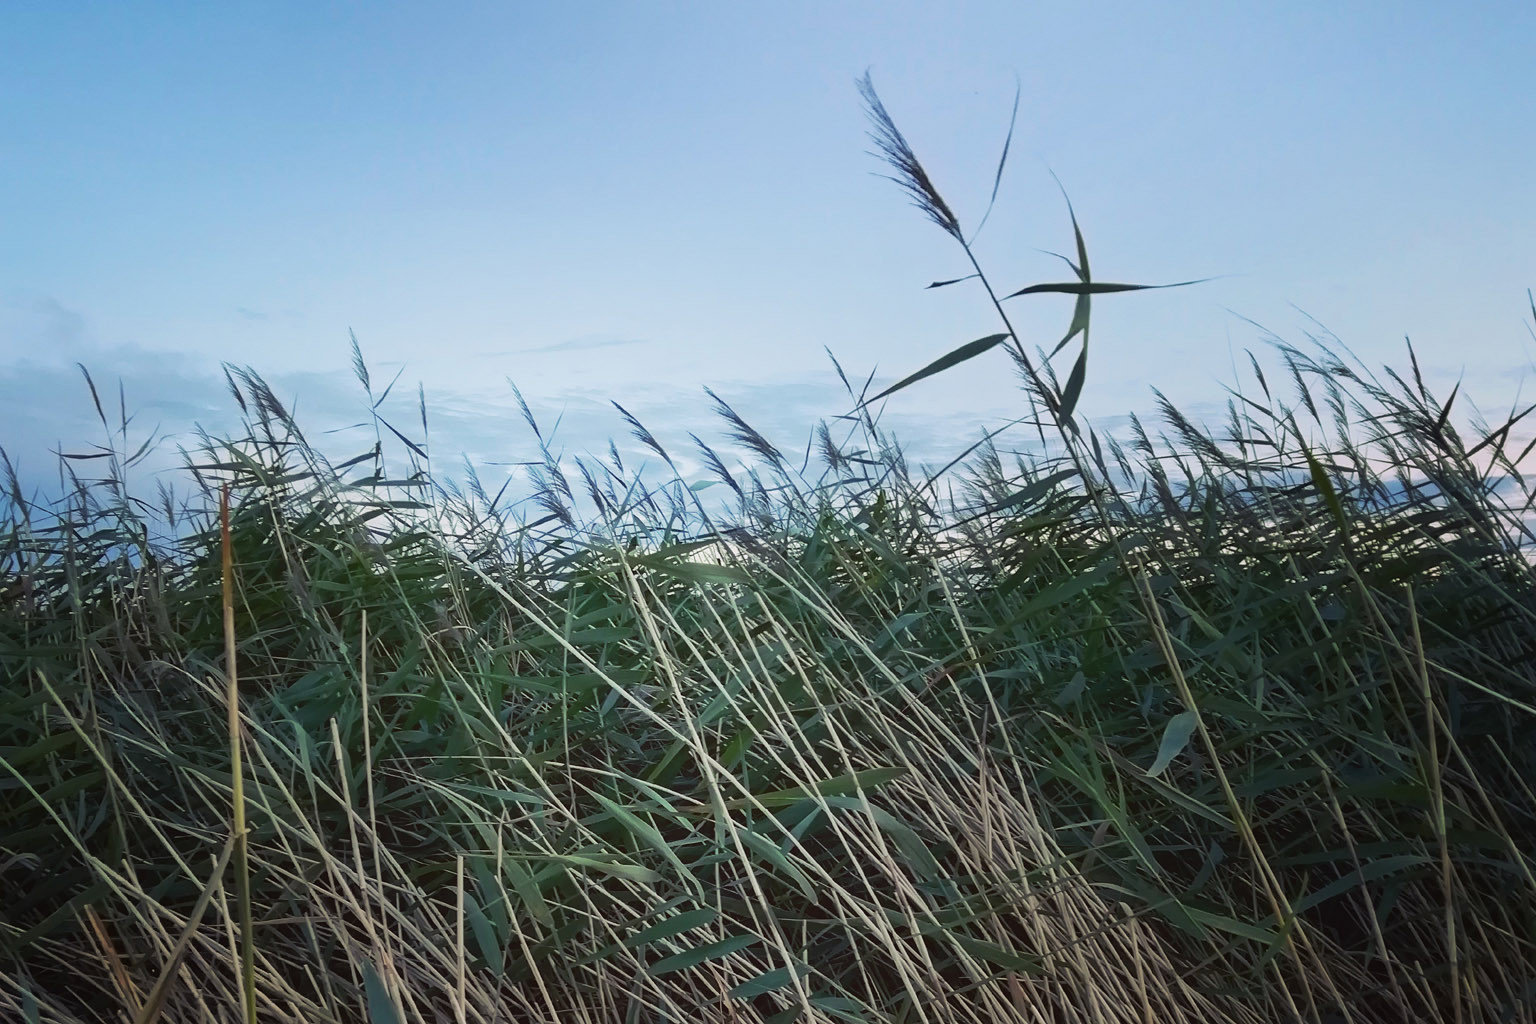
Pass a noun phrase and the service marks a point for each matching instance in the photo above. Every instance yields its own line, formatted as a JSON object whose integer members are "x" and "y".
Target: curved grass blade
{"x": 644, "y": 832}
{"x": 770, "y": 981}
{"x": 381, "y": 1005}
{"x": 632, "y": 872}
{"x": 485, "y": 935}
{"x": 1034, "y": 491}
{"x": 1445, "y": 414}
{"x": 1074, "y": 388}
{"x": 967, "y": 351}
{"x": 911, "y": 846}
{"x": 1002, "y": 161}
{"x": 953, "y": 280}
{"x": 1082, "y": 309}
{"x": 693, "y": 957}
{"x": 1175, "y": 738}
{"x": 676, "y": 925}
{"x": 1097, "y": 287}
{"x": 1325, "y": 488}
{"x": 155, "y": 1002}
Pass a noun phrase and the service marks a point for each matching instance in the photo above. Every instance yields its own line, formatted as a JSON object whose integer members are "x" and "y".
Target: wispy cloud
{"x": 65, "y": 326}
{"x": 41, "y": 328}
{"x": 251, "y": 314}
{"x": 573, "y": 345}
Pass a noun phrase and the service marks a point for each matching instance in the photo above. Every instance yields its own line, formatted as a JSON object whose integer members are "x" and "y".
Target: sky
{"x": 623, "y": 201}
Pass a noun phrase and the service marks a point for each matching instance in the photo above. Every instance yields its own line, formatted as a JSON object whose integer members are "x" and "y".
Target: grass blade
{"x": 970, "y": 350}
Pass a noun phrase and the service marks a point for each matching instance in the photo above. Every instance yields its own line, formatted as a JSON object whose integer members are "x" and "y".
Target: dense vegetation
{"x": 1228, "y": 725}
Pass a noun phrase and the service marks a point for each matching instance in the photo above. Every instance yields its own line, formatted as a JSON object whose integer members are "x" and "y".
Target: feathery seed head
{"x": 893, "y": 148}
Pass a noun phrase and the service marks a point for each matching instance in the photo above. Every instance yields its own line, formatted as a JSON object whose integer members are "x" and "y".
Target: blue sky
{"x": 633, "y": 201}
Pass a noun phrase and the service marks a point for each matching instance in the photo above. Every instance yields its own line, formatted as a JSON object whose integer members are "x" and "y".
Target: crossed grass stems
{"x": 1228, "y": 727}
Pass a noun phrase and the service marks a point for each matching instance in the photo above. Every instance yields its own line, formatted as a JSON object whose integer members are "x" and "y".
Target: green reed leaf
{"x": 968, "y": 351}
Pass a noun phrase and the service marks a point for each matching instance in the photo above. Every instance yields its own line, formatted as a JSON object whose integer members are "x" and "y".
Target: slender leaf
{"x": 769, "y": 981}
{"x": 1176, "y": 736}
{"x": 1096, "y": 287}
{"x": 1074, "y": 388}
{"x": 967, "y": 351}
{"x": 691, "y": 958}
{"x": 381, "y": 1005}
{"x": 673, "y": 926}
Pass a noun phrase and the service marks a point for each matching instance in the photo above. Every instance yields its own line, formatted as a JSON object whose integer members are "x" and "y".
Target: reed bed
{"x": 1230, "y": 725}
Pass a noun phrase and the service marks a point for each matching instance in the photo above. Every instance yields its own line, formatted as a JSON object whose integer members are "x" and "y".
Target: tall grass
{"x": 1230, "y": 725}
